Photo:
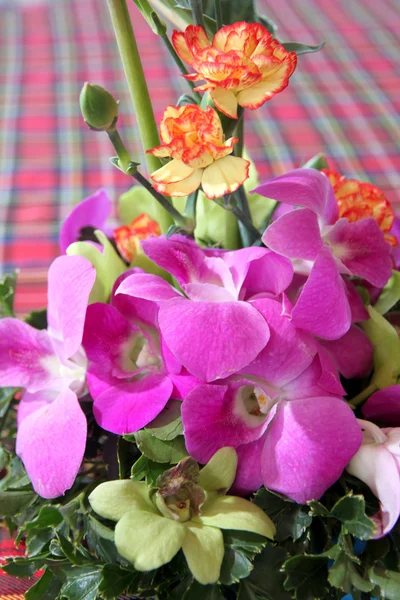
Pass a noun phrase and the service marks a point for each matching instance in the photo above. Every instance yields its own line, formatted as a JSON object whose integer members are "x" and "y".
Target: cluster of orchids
{"x": 258, "y": 318}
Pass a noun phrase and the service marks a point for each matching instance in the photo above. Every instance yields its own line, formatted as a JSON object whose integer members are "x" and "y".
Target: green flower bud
{"x": 99, "y": 109}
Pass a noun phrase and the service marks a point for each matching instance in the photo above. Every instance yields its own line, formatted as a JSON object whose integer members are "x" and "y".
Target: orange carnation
{"x": 128, "y": 237}
{"x": 243, "y": 64}
{"x": 359, "y": 200}
{"x": 194, "y": 139}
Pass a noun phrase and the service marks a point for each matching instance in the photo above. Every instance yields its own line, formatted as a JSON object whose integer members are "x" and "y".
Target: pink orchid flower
{"x": 51, "y": 366}
{"x": 317, "y": 240}
{"x": 377, "y": 464}
{"x": 211, "y": 329}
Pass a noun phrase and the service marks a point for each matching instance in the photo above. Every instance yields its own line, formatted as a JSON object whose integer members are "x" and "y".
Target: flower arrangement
{"x": 209, "y": 406}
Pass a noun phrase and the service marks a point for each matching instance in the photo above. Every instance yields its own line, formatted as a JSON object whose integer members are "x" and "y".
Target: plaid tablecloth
{"x": 343, "y": 101}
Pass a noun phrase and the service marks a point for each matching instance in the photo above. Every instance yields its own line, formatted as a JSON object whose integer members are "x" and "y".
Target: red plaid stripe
{"x": 11, "y": 588}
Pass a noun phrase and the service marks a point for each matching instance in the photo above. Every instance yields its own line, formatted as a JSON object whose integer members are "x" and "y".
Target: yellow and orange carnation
{"x": 128, "y": 237}
{"x": 243, "y": 65}
{"x": 194, "y": 139}
{"x": 360, "y": 200}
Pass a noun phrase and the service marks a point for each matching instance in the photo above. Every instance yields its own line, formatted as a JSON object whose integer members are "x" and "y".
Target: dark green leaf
{"x": 100, "y": 540}
{"x": 306, "y": 576}
{"x": 317, "y": 162}
{"x": 388, "y": 582}
{"x": 265, "y": 582}
{"x": 290, "y": 519}
{"x": 82, "y": 583}
{"x": 203, "y": 592}
{"x": 301, "y": 48}
{"x": 37, "y": 318}
{"x": 169, "y": 431}
{"x": 235, "y": 566}
{"x": 7, "y": 292}
{"x": 77, "y": 556}
{"x": 350, "y": 511}
{"x": 24, "y": 567}
{"x": 144, "y": 468}
{"x": 47, "y": 588}
{"x": 48, "y": 516}
{"x": 126, "y": 454}
{"x": 160, "y": 451}
{"x": 318, "y": 509}
{"x": 246, "y": 542}
{"x": 116, "y": 580}
{"x": 37, "y": 541}
{"x": 344, "y": 575}
{"x": 12, "y": 503}
{"x": 268, "y": 24}
{"x": 6, "y": 396}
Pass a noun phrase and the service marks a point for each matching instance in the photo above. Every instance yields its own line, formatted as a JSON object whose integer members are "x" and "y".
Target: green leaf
{"x": 301, "y": 48}
{"x": 167, "y": 432}
{"x": 82, "y": 584}
{"x": 386, "y": 344}
{"x": 290, "y": 519}
{"x": 350, "y": 511}
{"x": 12, "y": 503}
{"x": 37, "y": 541}
{"x": 47, "y": 588}
{"x": 7, "y": 292}
{"x": 318, "y": 509}
{"x": 246, "y": 542}
{"x": 203, "y": 592}
{"x": 144, "y": 468}
{"x": 77, "y": 556}
{"x": 235, "y": 566}
{"x": 317, "y": 162}
{"x": 306, "y": 576}
{"x": 268, "y": 24}
{"x": 159, "y": 450}
{"x": 100, "y": 540}
{"x": 389, "y": 295}
{"x": 388, "y": 582}
{"x": 24, "y": 567}
{"x": 155, "y": 23}
{"x": 344, "y": 575}
{"x": 37, "y": 319}
{"x": 116, "y": 580}
{"x": 6, "y": 396}
{"x": 265, "y": 582}
{"x": 137, "y": 201}
{"x": 48, "y": 516}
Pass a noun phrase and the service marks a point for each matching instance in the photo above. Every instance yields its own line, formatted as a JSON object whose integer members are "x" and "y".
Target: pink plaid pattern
{"x": 343, "y": 101}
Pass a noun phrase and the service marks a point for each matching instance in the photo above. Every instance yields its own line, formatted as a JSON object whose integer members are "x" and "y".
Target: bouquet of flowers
{"x": 209, "y": 407}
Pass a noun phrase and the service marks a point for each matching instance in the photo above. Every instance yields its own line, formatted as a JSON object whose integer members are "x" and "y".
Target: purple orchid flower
{"x": 51, "y": 366}
{"x": 284, "y": 415}
{"x": 132, "y": 373}
{"x": 211, "y": 330}
{"x": 93, "y": 212}
{"x": 312, "y": 233}
{"x": 384, "y": 406}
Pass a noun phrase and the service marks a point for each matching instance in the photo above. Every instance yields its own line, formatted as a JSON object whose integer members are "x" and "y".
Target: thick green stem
{"x": 363, "y": 395}
{"x": 135, "y": 78}
{"x": 252, "y": 232}
{"x": 247, "y": 234}
{"x": 190, "y": 207}
{"x": 218, "y": 14}
{"x": 124, "y": 158}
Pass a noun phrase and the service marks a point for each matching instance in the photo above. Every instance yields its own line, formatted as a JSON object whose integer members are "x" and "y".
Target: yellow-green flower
{"x": 188, "y": 511}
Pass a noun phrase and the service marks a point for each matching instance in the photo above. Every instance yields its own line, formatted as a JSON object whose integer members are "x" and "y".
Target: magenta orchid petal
{"x": 331, "y": 318}
{"x": 358, "y": 311}
{"x": 215, "y": 416}
{"x": 91, "y": 212}
{"x": 353, "y": 353}
{"x": 329, "y": 378}
{"x": 212, "y": 340}
{"x": 314, "y": 382}
{"x": 70, "y": 281}
{"x": 295, "y": 235}
{"x": 183, "y": 383}
{"x": 362, "y": 249}
{"x": 51, "y": 442}
{"x": 127, "y": 407}
{"x": 240, "y": 261}
{"x": 147, "y": 287}
{"x": 109, "y": 339}
{"x": 31, "y": 402}
{"x": 271, "y": 274}
{"x": 288, "y": 352}
{"x": 27, "y": 356}
{"x": 308, "y": 444}
{"x": 248, "y": 475}
{"x": 305, "y": 187}
{"x": 384, "y": 406}
{"x": 207, "y": 292}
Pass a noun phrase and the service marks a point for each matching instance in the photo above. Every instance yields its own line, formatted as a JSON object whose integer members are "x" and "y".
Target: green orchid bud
{"x": 98, "y": 107}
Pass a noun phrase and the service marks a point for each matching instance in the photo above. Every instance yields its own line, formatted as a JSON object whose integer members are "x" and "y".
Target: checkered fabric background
{"x": 343, "y": 101}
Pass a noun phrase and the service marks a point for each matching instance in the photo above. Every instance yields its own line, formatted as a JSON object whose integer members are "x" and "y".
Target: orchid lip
{"x": 253, "y": 405}
{"x": 72, "y": 370}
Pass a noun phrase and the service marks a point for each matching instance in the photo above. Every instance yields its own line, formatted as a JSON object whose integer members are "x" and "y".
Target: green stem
{"x": 218, "y": 14}
{"x": 179, "y": 63}
{"x": 175, "y": 214}
{"x": 240, "y": 135}
{"x": 363, "y": 395}
{"x": 248, "y": 234}
{"x": 136, "y": 79}
{"x": 253, "y": 233}
{"x": 197, "y": 12}
{"x": 190, "y": 207}
{"x": 124, "y": 158}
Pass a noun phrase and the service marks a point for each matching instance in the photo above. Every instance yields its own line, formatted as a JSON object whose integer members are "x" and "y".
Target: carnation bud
{"x": 98, "y": 107}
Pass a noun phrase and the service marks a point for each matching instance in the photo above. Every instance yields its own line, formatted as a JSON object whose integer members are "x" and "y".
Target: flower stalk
{"x": 135, "y": 78}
